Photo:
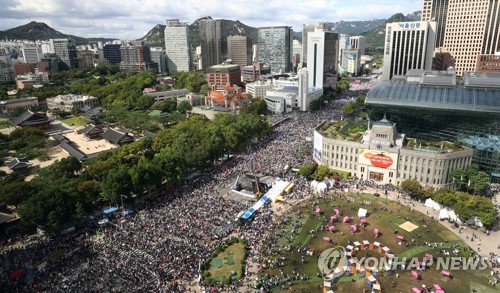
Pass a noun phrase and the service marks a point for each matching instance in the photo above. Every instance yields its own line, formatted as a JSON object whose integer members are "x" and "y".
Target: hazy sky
{"x": 132, "y": 19}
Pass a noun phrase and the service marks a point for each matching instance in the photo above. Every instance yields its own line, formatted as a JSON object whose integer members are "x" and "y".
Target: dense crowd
{"x": 163, "y": 245}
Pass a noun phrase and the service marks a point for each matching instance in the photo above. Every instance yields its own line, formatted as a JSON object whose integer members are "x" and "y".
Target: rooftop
{"x": 353, "y": 130}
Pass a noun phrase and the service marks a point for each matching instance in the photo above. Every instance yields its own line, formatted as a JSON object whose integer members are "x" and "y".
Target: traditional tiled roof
{"x": 29, "y": 118}
{"x": 91, "y": 129}
{"x": 18, "y": 163}
{"x": 148, "y": 133}
{"x": 73, "y": 151}
{"x": 117, "y": 137}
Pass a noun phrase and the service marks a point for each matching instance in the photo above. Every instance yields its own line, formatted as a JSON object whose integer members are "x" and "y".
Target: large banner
{"x": 318, "y": 145}
{"x": 378, "y": 159}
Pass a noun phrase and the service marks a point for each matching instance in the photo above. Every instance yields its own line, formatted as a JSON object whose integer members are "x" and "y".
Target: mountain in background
{"x": 375, "y": 38}
{"x": 41, "y": 31}
{"x": 156, "y": 38}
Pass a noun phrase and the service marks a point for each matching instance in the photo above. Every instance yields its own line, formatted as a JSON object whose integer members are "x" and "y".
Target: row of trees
{"x": 67, "y": 190}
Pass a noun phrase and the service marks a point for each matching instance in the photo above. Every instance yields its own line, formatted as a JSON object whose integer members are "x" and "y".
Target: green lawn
{"x": 228, "y": 262}
{"x": 384, "y": 215}
{"x": 75, "y": 121}
{"x": 5, "y": 124}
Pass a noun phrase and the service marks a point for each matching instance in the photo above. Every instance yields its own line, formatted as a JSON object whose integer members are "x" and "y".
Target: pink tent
{"x": 318, "y": 210}
{"x": 337, "y": 211}
{"x": 400, "y": 237}
{"x": 422, "y": 264}
{"x": 416, "y": 290}
{"x": 446, "y": 273}
{"x": 331, "y": 228}
{"x": 414, "y": 274}
{"x": 363, "y": 221}
{"x": 354, "y": 228}
{"x": 428, "y": 256}
{"x": 333, "y": 218}
{"x": 437, "y": 287}
{"x": 346, "y": 219}
{"x": 375, "y": 232}
{"x": 327, "y": 239}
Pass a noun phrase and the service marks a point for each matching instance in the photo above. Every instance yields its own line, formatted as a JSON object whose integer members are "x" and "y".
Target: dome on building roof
{"x": 384, "y": 122}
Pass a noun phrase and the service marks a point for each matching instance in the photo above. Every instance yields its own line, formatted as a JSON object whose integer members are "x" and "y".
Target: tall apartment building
{"x": 177, "y": 46}
{"x": 471, "y": 30}
{"x": 32, "y": 53}
{"x": 112, "y": 53}
{"x": 275, "y": 47}
{"x": 307, "y": 28}
{"x": 322, "y": 56}
{"x": 358, "y": 43}
{"x": 85, "y": 59}
{"x": 158, "y": 57}
{"x": 239, "y": 50}
{"x": 408, "y": 45}
{"x": 210, "y": 42}
{"x": 65, "y": 49}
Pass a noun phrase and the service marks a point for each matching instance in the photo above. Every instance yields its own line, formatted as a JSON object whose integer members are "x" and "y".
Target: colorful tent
{"x": 416, "y": 290}
{"x": 333, "y": 218}
{"x": 414, "y": 274}
{"x": 346, "y": 219}
{"x": 400, "y": 237}
{"x": 428, "y": 256}
{"x": 354, "y": 228}
{"x": 375, "y": 232}
{"x": 327, "y": 239}
{"x": 331, "y": 228}
{"x": 337, "y": 211}
{"x": 363, "y": 221}
{"x": 318, "y": 210}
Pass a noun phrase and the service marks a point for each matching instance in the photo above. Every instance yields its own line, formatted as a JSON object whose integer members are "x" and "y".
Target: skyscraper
{"x": 467, "y": 30}
{"x": 210, "y": 42}
{"x": 112, "y": 53}
{"x": 158, "y": 57}
{"x": 177, "y": 46}
{"x": 307, "y": 28}
{"x": 65, "y": 49}
{"x": 136, "y": 57}
{"x": 275, "y": 47}
{"x": 408, "y": 45}
{"x": 358, "y": 42}
{"x": 239, "y": 50}
{"x": 322, "y": 56}
{"x": 32, "y": 53}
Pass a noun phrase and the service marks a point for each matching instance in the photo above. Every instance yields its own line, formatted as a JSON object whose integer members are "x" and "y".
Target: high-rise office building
{"x": 112, "y": 53}
{"x": 65, "y": 49}
{"x": 211, "y": 37}
{"x": 177, "y": 46}
{"x": 136, "y": 57}
{"x": 158, "y": 57}
{"x": 467, "y": 30}
{"x": 275, "y": 47}
{"x": 322, "y": 56}
{"x": 239, "y": 49}
{"x": 32, "y": 53}
{"x": 307, "y": 28}
{"x": 358, "y": 43}
{"x": 408, "y": 45}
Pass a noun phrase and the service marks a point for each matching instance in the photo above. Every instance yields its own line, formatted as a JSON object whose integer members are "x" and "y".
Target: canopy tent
{"x": 314, "y": 184}
{"x": 333, "y": 218}
{"x": 317, "y": 210}
{"x": 363, "y": 221}
{"x": 400, "y": 237}
{"x": 110, "y": 210}
{"x": 331, "y": 228}
{"x": 327, "y": 239}
{"x": 432, "y": 204}
{"x": 354, "y": 228}
{"x": 416, "y": 290}
{"x": 446, "y": 273}
{"x": 346, "y": 219}
{"x": 321, "y": 187}
{"x": 414, "y": 274}
{"x": 454, "y": 217}
{"x": 428, "y": 256}
{"x": 443, "y": 214}
{"x": 128, "y": 212}
{"x": 362, "y": 212}
{"x": 336, "y": 211}
{"x": 376, "y": 286}
{"x": 375, "y": 232}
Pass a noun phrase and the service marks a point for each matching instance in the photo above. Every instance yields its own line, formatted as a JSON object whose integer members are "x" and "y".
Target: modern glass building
{"x": 275, "y": 47}
{"x": 436, "y": 105}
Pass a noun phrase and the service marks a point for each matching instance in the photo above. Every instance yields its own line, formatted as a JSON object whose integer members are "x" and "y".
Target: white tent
{"x": 443, "y": 214}
{"x": 432, "y": 204}
{"x": 454, "y": 217}
{"x": 476, "y": 222}
{"x": 362, "y": 212}
{"x": 314, "y": 184}
{"x": 321, "y": 187}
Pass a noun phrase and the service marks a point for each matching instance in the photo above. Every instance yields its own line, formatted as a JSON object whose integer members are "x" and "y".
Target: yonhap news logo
{"x": 331, "y": 259}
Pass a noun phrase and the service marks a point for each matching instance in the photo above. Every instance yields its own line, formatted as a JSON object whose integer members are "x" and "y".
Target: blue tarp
{"x": 110, "y": 210}
{"x": 128, "y": 212}
{"x": 103, "y": 221}
{"x": 249, "y": 213}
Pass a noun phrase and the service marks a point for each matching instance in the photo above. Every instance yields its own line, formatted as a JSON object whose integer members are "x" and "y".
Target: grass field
{"x": 5, "y": 124}
{"x": 384, "y": 215}
{"x": 228, "y": 263}
{"x": 75, "y": 121}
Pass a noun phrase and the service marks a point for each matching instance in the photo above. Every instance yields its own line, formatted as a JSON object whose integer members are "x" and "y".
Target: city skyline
{"x": 133, "y": 19}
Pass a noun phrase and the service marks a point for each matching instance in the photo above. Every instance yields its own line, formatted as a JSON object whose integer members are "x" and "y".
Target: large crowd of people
{"x": 164, "y": 244}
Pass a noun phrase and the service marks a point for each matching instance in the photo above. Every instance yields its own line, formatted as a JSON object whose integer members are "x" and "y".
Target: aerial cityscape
{"x": 317, "y": 146}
